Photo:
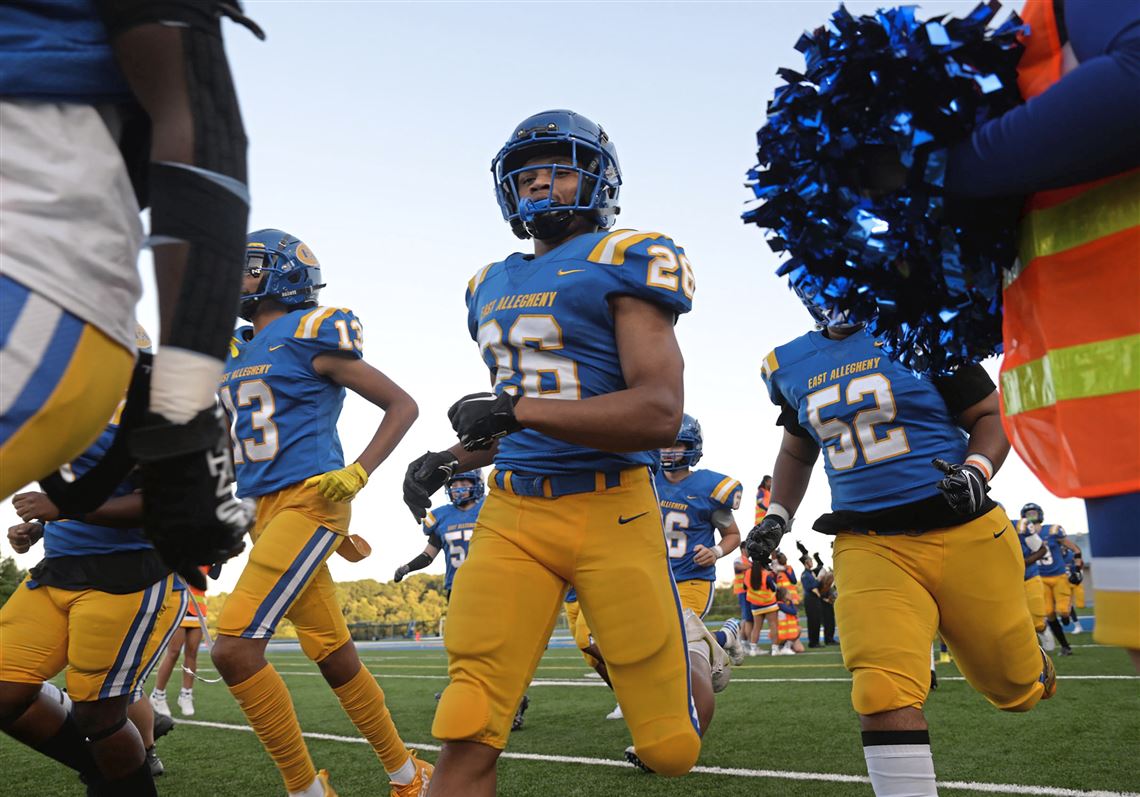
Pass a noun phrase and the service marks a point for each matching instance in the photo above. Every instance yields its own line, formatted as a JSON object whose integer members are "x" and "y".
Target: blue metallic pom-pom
{"x": 850, "y": 172}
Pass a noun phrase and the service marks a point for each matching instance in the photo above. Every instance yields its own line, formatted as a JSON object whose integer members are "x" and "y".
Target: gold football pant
{"x": 1035, "y": 597}
{"x": 696, "y": 595}
{"x": 610, "y": 545}
{"x": 579, "y": 630}
{"x": 1058, "y": 593}
{"x": 286, "y": 576}
{"x": 108, "y": 643}
{"x": 963, "y": 582}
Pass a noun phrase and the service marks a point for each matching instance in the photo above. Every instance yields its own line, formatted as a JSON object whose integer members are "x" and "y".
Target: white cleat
{"x": 158, "y": 703}
{"x": 734, "y": 647}
{"x": 1077, "y": 628}
{"x": 698, "y": 634}
{"x": 186, "y": 703}
{"x": 615, "y": 714}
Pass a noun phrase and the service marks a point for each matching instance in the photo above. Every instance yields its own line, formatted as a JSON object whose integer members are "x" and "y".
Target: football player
{"x": 283, "y": 388}
{"x": 1054, "y": 571}
{"x": 453, "y": 525}
{"x": 693, "y": 504}
{"x": 1076, "y": 580}
{"x": 587, "y": 383}
{"x": 450, "y": 527}
{"x": 1033, "y": 549}
{"x": 913, "y": 555}
{"x": 101, "y": 604}
{"x": 79, "y": 159}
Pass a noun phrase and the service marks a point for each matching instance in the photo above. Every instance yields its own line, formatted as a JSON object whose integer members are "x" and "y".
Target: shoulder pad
{"x": 473, "y": 283}
{"x": 330, "y": 329}
{"x": 727, "y": 492}
{"x": 240, "y": 337}
{"x": 653, "y": 267}
{"x": 429, "y": 522}
{"x": 769, "y": 366}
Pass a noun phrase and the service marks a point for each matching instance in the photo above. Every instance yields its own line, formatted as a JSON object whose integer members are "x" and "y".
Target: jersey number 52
{"x": 843, "y": 453}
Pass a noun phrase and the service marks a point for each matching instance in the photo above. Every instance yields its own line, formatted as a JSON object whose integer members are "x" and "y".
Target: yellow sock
{"x": 363, "y": 702}
{"x": 265, "y": 701}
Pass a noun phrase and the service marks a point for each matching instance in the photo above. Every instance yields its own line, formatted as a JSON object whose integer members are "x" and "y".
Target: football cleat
{"x": 698, "y": 637}
{"x": 632, "y": 757}
{"x": 733, "y": 646}
{"x": 1048, "y": 676}
{"x": 323, "y": 779}
{"x": 186, "y": 703}
{"x": 518, "y": 722}
{"x": 419, "y": 785}
{"x": 1066, "y": 650}
{"x": 154, "y": 762}
{"x": 163, "y": 724}
{"x": 158, "y": 703}
{"x": 616, "y": 713}
{"x": 933, "y": 680}
{"x": 1077, "y": 628}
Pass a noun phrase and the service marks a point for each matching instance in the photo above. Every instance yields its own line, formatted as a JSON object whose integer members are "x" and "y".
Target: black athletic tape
{"x": 879, "y": 738}
{"x": 99, "y": 736}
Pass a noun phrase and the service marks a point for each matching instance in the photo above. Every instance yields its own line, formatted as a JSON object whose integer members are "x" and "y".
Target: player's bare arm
{"x": 792, "y": 471}
{"x": 982, "y": 422}
{"x": 124, "y": 511}
{"x": 647, "y": 413}
{"x": 400, "y": 410}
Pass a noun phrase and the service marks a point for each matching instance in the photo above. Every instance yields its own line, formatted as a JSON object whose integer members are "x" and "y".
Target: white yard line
{"x": 825, "y": 777}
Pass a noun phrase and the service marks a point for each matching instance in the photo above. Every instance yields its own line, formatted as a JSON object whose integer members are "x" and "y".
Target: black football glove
{"x": 482, "y": 418}
{"x": 765, "y": 538}
{"x": 424, "y": 476}
{"x": 190, "y": 511}
{"x": 964, "y": 487}
{"x": 401, "y": 571}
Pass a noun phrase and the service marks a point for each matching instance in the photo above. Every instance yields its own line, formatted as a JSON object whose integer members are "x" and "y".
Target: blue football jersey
{"x": 878, "y": 424}
{"x": 76, "y": 538}
{"x": 687, "y": 508}
{"x": 283, "y": 413}
{"x": 1053, "y": 562}
{"x": 544, "y": 327}
{"x": 571, "y": 596}
{"x": 1022, "y": 527}
{"x": 453, "y": 526}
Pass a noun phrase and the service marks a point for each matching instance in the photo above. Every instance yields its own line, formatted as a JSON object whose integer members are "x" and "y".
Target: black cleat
{"x": 163, "y": 725}
{"x": 933, "y": 680}
{"x": 1066, "y": 651}
{"x": 154, "y": 762}
{"x": 518, "y": 721}
{"x": 632, "y": 758}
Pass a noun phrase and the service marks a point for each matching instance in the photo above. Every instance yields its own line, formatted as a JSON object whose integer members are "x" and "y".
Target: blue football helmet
{"x": 290, "y": 272}
{"x": 823, "y": 315}
{"x": 593, "y": 157}
{"x": 690, "y": 437}
{"x": 461, "y": 495}
{"x": 1033, "y": 512}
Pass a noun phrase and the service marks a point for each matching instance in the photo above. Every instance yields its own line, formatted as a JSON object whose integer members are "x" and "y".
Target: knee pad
{"x": 463, "y": 712}
{"x": 874, "y": 691}
{"x": 671, "y": 755}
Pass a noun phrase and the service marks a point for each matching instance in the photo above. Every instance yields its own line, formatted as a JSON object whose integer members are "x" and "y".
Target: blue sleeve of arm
{"x": 1084, "y": 127}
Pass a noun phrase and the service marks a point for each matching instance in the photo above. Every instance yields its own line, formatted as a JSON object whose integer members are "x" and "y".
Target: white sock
{"x": 158, "y": 694}
{"x": 187, "y": 692}
{"x": 315, "y": 789}
{"x": 405, "y": 774}
{"x": 56, "y": 694}
{"x": 183, "y": 383}
{"x": 900, "y": 770}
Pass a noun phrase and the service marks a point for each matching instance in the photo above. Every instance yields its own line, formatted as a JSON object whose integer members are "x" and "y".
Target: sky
{"x": 372, "y": 126}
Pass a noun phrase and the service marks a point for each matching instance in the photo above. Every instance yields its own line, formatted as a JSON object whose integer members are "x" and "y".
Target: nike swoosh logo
{"x": 275, "y": 348}
{"x": 999, "y": 534}
{"x": 624, "y": 520}
{"x": 562, "y": 273}
{"x": 690, "y": 498}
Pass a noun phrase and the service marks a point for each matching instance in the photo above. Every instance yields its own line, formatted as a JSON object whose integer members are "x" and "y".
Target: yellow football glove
{"x": 340, "y": 485}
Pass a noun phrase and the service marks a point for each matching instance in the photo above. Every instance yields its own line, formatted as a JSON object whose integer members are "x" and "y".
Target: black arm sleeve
{"x": 435, "y": 542}
{"x": 790, "y": 420}
{"x": 964, "y": 388}
{"x": 419, "y": 563}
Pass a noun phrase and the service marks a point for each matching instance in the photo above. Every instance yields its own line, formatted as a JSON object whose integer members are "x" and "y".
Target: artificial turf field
{"x": 783, "y": 727}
